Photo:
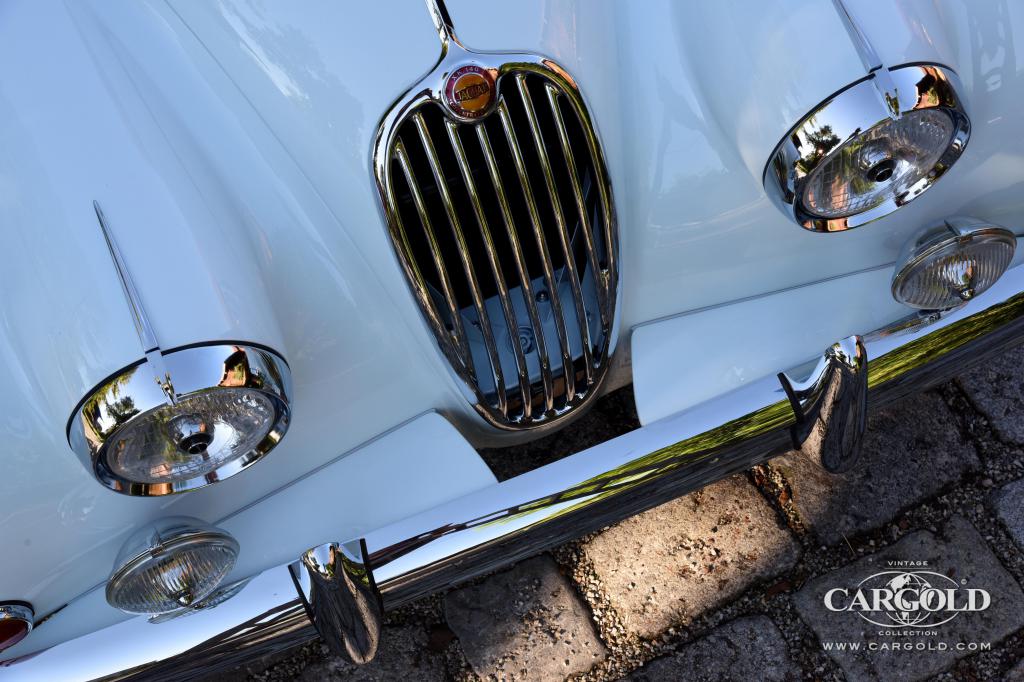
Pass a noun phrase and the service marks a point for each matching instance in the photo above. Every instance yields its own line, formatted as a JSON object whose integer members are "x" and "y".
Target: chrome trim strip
{"x": 865, "y": 50}
{"x": 492, "y": 257}
{"x": 507, "y": 521}
{"x": 581, "y": 207}
{"x": 442, "y": 23}
{"x": 467, "y": 264}
{"x": 457, "y": 329}
{"x": 147, "y": 336}
{"x": 888, "y": 94}
{"x": 563, "y": 231}
{"x": 529, "y": 301}
{"x": 545, "y": 256}
{"x": 553, "y": 393}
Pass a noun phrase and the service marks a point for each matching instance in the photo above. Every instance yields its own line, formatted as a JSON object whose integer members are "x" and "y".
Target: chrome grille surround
{"x": 506, "y": 233}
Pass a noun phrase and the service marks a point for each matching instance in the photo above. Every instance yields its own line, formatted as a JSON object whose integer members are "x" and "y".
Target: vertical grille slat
{"x": 467, "y": 264}
{"x": 417, "y": 196}
{"x": 563, "y": 231}
{"x": 581, "y": 206}
{"x": 547, "y": 382}
{"x": 522, "y": 282}
{"x": 538, "y": 233}
{"x": 492, "y": 256}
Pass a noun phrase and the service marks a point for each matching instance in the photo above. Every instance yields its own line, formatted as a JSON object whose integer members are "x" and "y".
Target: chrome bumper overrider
{"x": 511, "y": 520}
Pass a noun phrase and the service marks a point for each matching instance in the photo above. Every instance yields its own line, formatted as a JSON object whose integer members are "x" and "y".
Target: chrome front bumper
{"x": 516, "y": 518}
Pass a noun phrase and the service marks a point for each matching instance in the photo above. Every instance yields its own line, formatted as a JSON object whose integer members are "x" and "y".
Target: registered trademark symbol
{"x": 908, "y": 598}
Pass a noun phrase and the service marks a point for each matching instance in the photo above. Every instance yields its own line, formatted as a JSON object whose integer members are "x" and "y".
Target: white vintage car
{"x": 274, "y": 272}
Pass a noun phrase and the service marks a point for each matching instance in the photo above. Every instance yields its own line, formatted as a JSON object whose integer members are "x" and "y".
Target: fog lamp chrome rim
{"x": 952, "y": 237}
{"x": 159, "y": 541}
{"x": 195, "y": 376}
{"x": 924, "y": 91}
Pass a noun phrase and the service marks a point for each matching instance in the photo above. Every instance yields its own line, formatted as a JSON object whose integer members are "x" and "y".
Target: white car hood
{"x": 229, "y": 143}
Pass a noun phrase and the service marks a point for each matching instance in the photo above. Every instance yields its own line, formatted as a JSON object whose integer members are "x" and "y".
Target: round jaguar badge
{"x": 469, "y": 91}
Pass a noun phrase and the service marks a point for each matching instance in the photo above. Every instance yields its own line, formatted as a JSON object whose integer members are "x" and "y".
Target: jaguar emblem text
{"x": 469, "y": 91}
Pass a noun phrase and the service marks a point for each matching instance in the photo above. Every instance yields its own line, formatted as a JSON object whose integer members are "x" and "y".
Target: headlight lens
{"x": 870, "y": 149}
{"x": 949, "y": 267}
{"x": 883, "y": 163}
{"x": 220, "y": 409}
{"x": 171, "y": 564}
{"x": 192, "y": 438}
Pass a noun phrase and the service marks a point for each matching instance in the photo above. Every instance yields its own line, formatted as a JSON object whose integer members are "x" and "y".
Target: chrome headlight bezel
{"x": 851, "y": 112}
{"x": 193, "y": 370}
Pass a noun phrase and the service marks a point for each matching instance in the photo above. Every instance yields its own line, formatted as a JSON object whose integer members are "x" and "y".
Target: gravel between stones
{"x": 691, "y": 555}
{"x": 958, "y": 558}
{"x": 744, "y": 649}
{"x": 943, "y": 467}
{"x": 912, "y": 451}
{"x": 525, "y": 623}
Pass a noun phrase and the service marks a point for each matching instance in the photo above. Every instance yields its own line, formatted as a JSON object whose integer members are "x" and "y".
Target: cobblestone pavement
{"x": 729, "y": 583}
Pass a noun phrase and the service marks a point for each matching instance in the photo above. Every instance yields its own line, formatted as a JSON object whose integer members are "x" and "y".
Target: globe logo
{"x": 915, "y": 584}
{"x": 908, "y": 599}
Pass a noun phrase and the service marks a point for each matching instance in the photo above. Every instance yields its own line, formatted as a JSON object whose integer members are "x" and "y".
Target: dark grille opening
{"x": 482, "y": 331}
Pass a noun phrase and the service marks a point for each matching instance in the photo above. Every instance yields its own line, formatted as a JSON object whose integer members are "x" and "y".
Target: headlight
{"x": 865, "y": 153}
{"x": 952, "y": 264}
{"x": 230, "y": 407}
{"x": 171, "y": 564}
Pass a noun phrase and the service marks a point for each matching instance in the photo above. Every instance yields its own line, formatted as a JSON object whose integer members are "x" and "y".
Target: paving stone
{"x": 1008, "y": 503}
{"x": 912, "y": 451}
{"x": 1016, "y": 673}
{"x": 691, "y": 555}
{"x": 525, "y": 623}
{"x": 403, "y": 654}
{"x": 743, "y": 649}
{"x": 996, "y": 388}
{"x": 960, "y": 554}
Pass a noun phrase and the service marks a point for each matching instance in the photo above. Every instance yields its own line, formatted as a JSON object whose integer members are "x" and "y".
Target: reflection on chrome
{"x": 341, "y": 598}
{"x": 216, "y": 598}
{"x": 16, "y": 621}
{"x": 173, "y": 562}
{"x": 231, "y": 407}
{"x": 523, "y": 302}
{"x": 861, "y": 155}
{"x": 951, "y": 263}
{"x": 831, "y": 406}
{"x": 507, "y": 521}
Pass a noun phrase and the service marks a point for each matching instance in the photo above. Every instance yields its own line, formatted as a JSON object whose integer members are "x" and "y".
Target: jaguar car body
{"x": 277, "y": 270}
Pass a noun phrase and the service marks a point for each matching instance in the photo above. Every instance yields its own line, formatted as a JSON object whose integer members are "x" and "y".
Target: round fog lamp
{"x": 218, "y": 410}
{"x": 171, "y": 564}
{"x": 952, "y": 264}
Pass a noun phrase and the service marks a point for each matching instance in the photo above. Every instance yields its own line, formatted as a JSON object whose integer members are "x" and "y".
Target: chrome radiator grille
{"x": 505, "y": 230}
